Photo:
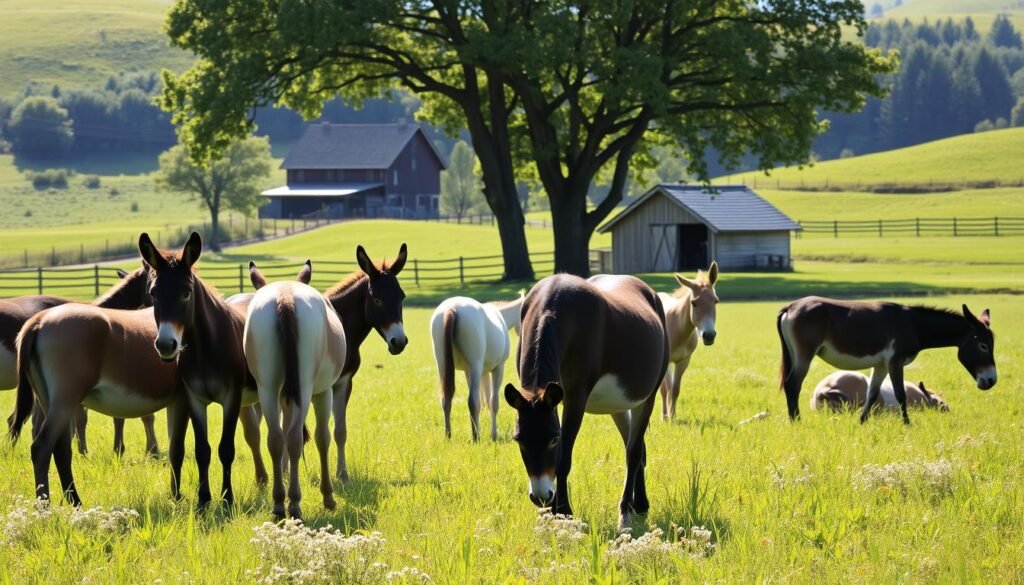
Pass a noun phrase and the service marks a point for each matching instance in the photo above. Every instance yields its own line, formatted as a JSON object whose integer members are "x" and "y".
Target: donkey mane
{"x": 353, "y": 280}
{"x": 934, "y": 309}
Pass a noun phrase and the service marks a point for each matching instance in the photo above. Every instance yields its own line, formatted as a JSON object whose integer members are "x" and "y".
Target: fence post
{"x": 96, "y": 278}
{"x": 880, "y": 228}
{"x": 995, "y": 224}
{"x": 26, "y": 257}
{"x": 835, "y": 228}
{"x": 416, "y": 271}
{"x": 39, "y": 272}
{"x": 917, "y": 225}
{"x": 462, "y": 277}
{"x": 954, "y": 227}
{"x": 241, "y": 279}
{"x": 53, "y": 257}
{"x": 106, "y": 249}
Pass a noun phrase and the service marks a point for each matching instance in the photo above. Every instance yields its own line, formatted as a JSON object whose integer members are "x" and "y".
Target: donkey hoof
{"x": 330, "y": 504}
{"x": 295, "y": 511}
{"x": 343, "y": 477}
{"x": 625, "y": 522}
{"x": 262, "y": 479}
{"x": 279, "y": 514}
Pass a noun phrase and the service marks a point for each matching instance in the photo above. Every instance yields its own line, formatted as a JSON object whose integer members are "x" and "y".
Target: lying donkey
{"x": 845, "y": 390}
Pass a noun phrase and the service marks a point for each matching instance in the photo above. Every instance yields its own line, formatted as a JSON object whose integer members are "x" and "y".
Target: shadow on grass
{"x": 136, "y": 163}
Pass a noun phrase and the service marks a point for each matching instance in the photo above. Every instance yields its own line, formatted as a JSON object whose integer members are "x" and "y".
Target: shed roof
{"x": 353, "y": 146}
{"x": 723, "y": 208}
{"x": 310, "y": 190}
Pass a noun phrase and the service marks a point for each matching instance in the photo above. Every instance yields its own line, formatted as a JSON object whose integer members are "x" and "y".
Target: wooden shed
{"x": 683, "y": 228}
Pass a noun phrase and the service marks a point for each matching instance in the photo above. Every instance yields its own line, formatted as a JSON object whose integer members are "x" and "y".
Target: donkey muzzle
{"x": 709, "y": 337}
{"x": 986, "y": 378}
{"x": 542, "y": 491}
{"x": 396, "y": 338}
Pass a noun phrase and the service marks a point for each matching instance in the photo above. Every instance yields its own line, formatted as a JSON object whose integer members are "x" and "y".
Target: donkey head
{"x": 933, "y": 400}
{"x": 384, "y": 298}
{"x": 538, "y": 433}
{"x": 259, "y": 281}
{"x": 976, "y": 348}
{"x": 172, "y": 287}
{"x": 703, "y": 302}
{"x": 132, "y": 292}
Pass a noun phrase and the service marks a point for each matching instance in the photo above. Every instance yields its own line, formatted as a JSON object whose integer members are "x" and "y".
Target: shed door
{"x": 664, "y": 238}
{"x": 693, "y": 247}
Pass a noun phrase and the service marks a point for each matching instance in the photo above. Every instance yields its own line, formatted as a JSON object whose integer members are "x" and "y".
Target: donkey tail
{"x": 24, "y": 400}
{"x": 787, "y": 360}
{"x": 288, "y": 336}
{"x": 448, "y": 361}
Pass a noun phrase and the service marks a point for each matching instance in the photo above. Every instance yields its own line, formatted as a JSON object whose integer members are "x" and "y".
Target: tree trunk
{"x": 572, "y": 235}
{"x": 214, "y": 228}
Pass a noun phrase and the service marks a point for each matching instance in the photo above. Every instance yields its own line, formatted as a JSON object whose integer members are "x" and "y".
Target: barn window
{"x": 395, "y": 178}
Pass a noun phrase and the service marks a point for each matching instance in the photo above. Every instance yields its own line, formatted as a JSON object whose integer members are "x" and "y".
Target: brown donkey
{"x": 595, "y": 346}
{"x": 882, "y": 336}
{"x": 132, "y": 292}
{"x": 690, "y": 315}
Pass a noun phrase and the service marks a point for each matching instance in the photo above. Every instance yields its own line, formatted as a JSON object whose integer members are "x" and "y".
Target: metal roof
{"x": 723, "y": 208}
{"x": 353, "y": 146}
{"x": 332, "y": 190}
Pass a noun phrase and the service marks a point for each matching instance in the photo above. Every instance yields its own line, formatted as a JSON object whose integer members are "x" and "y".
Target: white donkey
{"x": 473, "y": 337}
{"x": 295, "y": 347}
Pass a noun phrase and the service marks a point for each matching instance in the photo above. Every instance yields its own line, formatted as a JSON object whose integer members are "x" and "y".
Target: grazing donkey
{"x": 132, "y": 292}
{"x": 472, "y": 337}
{"x": 295, "y": 347}
{"x": 842, "y": 390}
{"x": 596, "y": 346}
{"x": 883, "y": 336}
{"x": 689, "y": 315}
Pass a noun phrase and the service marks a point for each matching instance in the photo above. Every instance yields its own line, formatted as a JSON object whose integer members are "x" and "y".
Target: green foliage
{"x": 57, "y": 178}
{"x": 40, "y": 128}
{"x": 92, "y": 182}
{"x": 1017, "y": 116}
{"x": 460, "y": 184}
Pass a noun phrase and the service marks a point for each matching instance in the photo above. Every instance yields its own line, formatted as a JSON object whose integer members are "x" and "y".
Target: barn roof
{"x": 313, "y": 190}
{"x": 723, "y": 208}
{"x": 353, "y": 146}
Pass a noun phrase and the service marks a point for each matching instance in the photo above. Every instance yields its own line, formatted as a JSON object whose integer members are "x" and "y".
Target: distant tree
{"x": 996, "y": 93}
{"x": 40, "y": 128}
{"x": 1003, "y": 34}
{"x": 231, "y": 182}
{"x": 1017, "y": 117}
{"x": 984, "y": 126}
{"x": 460, "y": 185}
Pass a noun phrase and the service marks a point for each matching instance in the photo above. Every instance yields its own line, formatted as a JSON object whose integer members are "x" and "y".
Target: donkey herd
{"x": 162, "y": 338}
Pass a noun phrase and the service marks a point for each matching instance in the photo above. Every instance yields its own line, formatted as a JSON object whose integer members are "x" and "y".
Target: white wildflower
{"x": 293, "y": 553}
{"x": 408, "y": 575}
{"x": 928, "y": 476}
{"x": 21, "y": 517}
{"x": 118, "y": 521}
{"x": 652, "y": 554}
{"x": 559, "y": 527}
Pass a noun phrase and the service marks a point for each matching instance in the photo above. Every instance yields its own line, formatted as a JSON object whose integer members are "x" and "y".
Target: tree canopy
{"x": 40, "y": 128}
{"x": 572, "y": 89}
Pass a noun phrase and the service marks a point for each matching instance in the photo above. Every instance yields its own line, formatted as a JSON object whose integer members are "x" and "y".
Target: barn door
{"x": 665, "y": 240}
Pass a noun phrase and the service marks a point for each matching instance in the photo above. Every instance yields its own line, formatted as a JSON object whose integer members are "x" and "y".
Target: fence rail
{"x": 90, "y": 281}
{"x": 917, "y": 227}
{"x": 907, "y": 187}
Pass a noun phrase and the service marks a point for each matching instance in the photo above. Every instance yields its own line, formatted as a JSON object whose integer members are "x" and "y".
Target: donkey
{"x": 295, "y": 346}
{"x": 842, "y": 390}
{"x": 882, "y": 336}
{"x": 689, "y": 315}
{"x": 598, "y": 346}
{"x": 132, "y": 292}
{"x": 473, "y": 337}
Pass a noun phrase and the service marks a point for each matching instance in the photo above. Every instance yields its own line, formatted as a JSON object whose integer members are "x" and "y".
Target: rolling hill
{"x": 983, "y": 12}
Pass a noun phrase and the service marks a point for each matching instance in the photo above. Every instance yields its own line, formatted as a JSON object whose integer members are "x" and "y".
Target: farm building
{"x": 359, "y": 170}
{"x": 683, "y": 228}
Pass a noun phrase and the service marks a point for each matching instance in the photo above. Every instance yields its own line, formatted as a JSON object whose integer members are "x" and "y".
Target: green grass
{"x": 79, "y": 43}
{"x": 780, "y": 497}
{"x": 848, "y": 206}
{"x": 988, "y": 156}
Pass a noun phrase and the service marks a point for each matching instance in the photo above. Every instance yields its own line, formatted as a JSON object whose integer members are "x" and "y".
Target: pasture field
{"x": 822, "y": 500}
{"x": 983, "y": 12}
{"x": 969, "y": 157}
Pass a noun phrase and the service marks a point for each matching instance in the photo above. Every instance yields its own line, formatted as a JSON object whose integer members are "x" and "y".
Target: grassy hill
{"x": 984, "y": 157}
{"x": 983, "y": 12}
{"x": 81, "y": 42}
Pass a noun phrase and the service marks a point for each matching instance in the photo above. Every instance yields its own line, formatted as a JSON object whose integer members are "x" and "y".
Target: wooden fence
{"x": 91, "y": 281}
{"x": 917, "y": 227}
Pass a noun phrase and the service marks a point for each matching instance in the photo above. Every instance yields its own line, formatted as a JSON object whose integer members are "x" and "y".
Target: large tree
{"x": 460, "y": 185}
{"x": 575, "y": 89}
{"x": 40, "y": 128}
{"x": 232, "y": 181}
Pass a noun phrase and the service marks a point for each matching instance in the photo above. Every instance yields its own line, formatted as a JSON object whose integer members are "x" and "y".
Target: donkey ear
{"x": 306, "y": 274}
{"x": 514, "y": 398}
{"x": 682, "y": 280}
{"x": 121, "y": 273}
{"x": 553, "y": 394}
{"x": 150, "y": 254}
{"x": 256, "y": 277}
{"x": 969, "y": 315}
{"x": 192, "y": 249}
{"x": 399, "y": 262}
{"x": 713, "y": 273}
{"x": 365, "y": 264}
{"x": 985, "y": 318}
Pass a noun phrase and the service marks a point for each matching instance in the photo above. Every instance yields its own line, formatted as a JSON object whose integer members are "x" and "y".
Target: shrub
{"x": 135, "y": 206}
{"x": 984, "y": 126}
{"x": 114, "y": 192}
{"x": 28, "y": 213}
{"x": 50, "y": 178}
{"x": 92, "y": 182}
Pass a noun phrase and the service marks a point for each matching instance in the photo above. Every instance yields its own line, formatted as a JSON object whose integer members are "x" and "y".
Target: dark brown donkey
{"x": 596, "y": 346}
{"x": 132, "y": 292}
{"x": 882, "y": 336}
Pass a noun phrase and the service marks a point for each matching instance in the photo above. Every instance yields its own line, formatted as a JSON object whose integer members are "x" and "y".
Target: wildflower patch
{"x": 930, "y": 477}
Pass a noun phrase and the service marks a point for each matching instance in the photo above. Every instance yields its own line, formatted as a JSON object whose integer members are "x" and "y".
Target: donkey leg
{"x": 342, "y": 391}
{"x": 78, "y": 424}
{"x": 275, "y": 443}
{"x": 55, "y": 426}
{"x": 152, "y": 446}
{"x": 250, "y": 417}
{"x": 792, "y": 383}
{"x": 572, "y": 420}
{"x": 877, "y": 377}
{"x": 177, "y": 426}
{"x": 494, "y": 398}
{"x": 203, "y": 451}
{"x": 62, "y": 460}
{"x": 634, "y": 493}
{"x": 322, "y": 436}
{"x": 294, "y": 416}
{"x": 896, "y": 376}
{"x": 677, "y": 381}
{"x": 473, "y": 375}
{"x": 446, "y": 407}
{"x": 119, "y": 436}
{"x": 666, "y": 392}
{"x": 226, "y": 448}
